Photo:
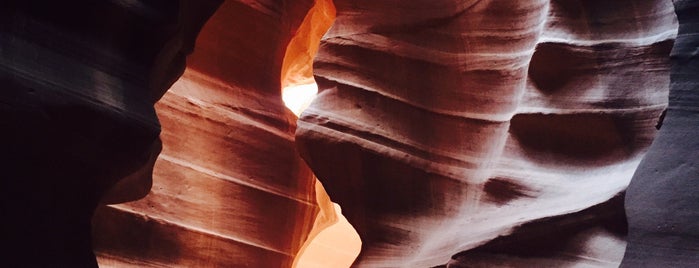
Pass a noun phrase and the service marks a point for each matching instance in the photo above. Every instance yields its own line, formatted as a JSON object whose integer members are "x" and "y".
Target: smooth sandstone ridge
{"x": 461, "y": 126}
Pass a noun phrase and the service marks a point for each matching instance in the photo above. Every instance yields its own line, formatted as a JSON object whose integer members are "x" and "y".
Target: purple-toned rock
{"x": 441, "y": 126}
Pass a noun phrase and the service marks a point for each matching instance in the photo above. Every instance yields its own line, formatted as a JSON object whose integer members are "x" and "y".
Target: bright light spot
{"x": 297, "y": 98}
{"x": 336, "y": 246}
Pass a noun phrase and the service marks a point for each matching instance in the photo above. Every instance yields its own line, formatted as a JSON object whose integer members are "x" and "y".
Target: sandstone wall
{"x": 440, "y": 126}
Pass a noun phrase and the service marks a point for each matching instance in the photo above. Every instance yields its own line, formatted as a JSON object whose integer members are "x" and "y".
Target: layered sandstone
{"x": 229, "y": 189}
{"x": 453, "y": 133}
{"x": 440, "y": 126}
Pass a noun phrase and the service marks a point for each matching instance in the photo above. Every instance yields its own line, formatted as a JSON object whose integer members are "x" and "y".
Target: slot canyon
{"x": 349, "y": 133}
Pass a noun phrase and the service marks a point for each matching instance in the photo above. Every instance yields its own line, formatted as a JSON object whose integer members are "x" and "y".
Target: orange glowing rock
{"x": 229, "y": 189}
{"x": 297, "y": 68}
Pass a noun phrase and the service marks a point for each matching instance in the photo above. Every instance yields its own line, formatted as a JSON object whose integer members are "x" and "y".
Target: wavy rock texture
{"x": 229, "y": 189}
{"x": 662, "y": 199}
{"x": 443, "y": 125}
{"x": 455, "y": 133}
{"x": 214, "y": 201}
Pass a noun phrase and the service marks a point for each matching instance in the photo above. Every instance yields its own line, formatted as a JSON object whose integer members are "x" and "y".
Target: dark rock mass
{"x": 79, "y": 80}
{"x": 662, "y": 203}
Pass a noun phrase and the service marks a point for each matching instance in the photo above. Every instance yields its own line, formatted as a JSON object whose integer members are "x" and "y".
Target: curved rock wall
{"x": 466, "y": 133}
{"x": 440, "y": 126}
{"x": 662, "y": 199}
{"x": 76, "y": 115}
{"x": 229, "y": 189}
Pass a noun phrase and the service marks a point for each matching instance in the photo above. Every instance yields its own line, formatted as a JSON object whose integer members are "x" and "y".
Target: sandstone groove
{"x": 439, "y": 131}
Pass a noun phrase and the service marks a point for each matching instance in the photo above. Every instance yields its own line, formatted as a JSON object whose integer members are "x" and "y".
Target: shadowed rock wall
{"x": 79, "y": 80}
{"x": 662, "y": 199}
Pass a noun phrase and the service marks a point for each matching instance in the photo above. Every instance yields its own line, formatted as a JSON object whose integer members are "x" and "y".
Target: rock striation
{"x": 79, "y": 128}
{"x": 452, "y": 133}
{"x": 229, "y": 188}
{"x": 441, "y": 126}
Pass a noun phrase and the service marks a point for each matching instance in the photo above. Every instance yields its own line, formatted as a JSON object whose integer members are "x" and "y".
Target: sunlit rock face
{"x": 443, "y": 125}
{"x": 229, "y": 189}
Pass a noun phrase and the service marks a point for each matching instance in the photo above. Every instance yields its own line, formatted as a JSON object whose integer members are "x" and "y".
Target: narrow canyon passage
{"x": 349, "y": 133}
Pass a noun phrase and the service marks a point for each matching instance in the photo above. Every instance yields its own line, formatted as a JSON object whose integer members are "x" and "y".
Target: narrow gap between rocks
{"x": 333, "y": 242}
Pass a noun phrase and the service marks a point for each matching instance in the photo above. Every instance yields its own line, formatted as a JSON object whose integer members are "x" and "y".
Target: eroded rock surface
{"x": 229, "y": 188}
{"x": 456, "y": 133}
{"x": 440, "y": 126}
